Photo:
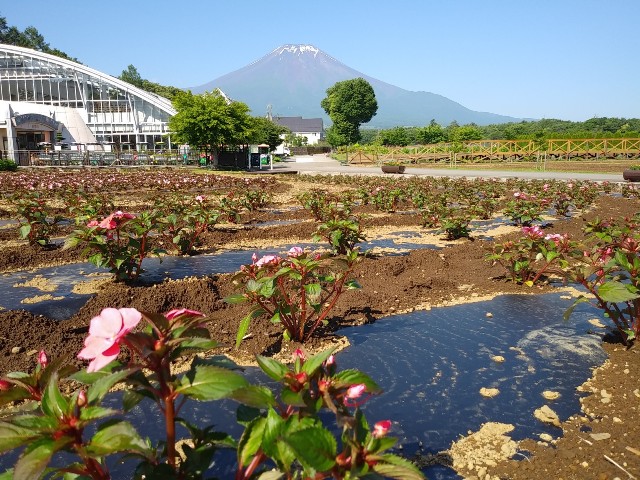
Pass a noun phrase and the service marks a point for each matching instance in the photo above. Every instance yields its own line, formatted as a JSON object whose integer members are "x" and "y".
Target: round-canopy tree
{"x": 349, "y": 103}
{"x": 210, "y": 119}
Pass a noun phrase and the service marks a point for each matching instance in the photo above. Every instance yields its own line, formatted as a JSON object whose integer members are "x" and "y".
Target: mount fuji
{"x": 293, "y": 79}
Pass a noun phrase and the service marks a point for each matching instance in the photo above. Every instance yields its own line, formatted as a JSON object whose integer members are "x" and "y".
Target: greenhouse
{"x": 48, "y": 103}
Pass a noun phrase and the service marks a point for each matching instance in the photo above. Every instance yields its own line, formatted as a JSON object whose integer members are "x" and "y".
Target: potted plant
{"x": 632, "y": 173}
{"x": 392, "y": 167}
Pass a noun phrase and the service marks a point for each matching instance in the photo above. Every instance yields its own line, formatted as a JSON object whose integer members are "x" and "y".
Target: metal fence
{"x": 70, "y": 158}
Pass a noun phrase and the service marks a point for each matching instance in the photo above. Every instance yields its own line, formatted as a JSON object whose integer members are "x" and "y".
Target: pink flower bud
{"x": 4, "y": 385}
{"x": 330, "y": 361}
{"x": 299, "y": 354}
{"x": 42, "y": 359}
{"x": 82, "y": 398}
{"x": 93, "y": 223}
{"x": 381, "y": 428}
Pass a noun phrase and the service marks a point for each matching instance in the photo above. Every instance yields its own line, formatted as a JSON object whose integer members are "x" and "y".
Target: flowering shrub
{"x": 38, "y": 222}
{"x": 533, "y": 256}
{"x": 342, "y": 234}
{"x": 524, "y": 209}
{"x": 610, "y": 272}
{"x": 189, "y": 219}
{"x": 119, "y": 242}
{"x": 298, "y": 290}
{"x": 455, "y": 223}
{"x": 286, "y": 430}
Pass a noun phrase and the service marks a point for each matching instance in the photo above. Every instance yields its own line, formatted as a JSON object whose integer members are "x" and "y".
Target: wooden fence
{"x": 501, "y": 151}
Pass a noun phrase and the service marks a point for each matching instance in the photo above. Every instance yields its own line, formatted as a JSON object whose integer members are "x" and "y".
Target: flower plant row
{"x": 288, "y": 431}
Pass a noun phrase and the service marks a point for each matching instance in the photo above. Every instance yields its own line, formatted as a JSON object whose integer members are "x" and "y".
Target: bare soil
{"x": 390, "y": 284}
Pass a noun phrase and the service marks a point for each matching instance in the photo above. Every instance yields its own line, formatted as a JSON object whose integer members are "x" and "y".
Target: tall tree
{"x": 349, "y": 103}
{"x": 131, "y": 75}
{"x": 208, "y": 119}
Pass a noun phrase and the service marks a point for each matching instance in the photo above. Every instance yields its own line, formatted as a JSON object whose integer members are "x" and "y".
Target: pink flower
{"x": 556, "y": 237}
{"x": 268, "y": 260}
{"x": 108, "y": 223}
{"x": 356, "y": 391}
{"x": 105, "y": 333}
{"x": 299, "y": 354}
{"x": 4, "y": 385}
{"x": 295, "y": 251}
{"x": 111, "y": 222}
{"x": 171, "y": 314}
{"x": 381, "y": 428}
{"x": 42, "y": 359}
{"x": 93, "y": 223}
{"x": 200, "y": 198}
{"x": 533, "y": 232}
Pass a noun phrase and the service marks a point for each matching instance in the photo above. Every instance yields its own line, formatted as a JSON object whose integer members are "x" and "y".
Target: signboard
{"x": 26, "y": 118}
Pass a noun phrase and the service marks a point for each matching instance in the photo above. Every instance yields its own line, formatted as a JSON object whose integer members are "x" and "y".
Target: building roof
{"x": 300, "y": 125}
{"x": 156, "y": 100}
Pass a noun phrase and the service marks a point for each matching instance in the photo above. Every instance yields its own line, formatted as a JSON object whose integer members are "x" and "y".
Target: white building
{"x": 311, "y": 128}
{"x": 47, "y": 100}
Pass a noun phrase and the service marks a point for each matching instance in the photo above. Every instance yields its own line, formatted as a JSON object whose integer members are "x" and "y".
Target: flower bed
{"x": 389, "y": 284}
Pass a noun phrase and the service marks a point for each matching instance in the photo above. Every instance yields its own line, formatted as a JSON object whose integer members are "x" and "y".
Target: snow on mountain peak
{"x": 297, "y": 49}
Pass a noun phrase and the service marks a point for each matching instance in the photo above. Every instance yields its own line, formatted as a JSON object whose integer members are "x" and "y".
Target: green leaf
{"x": 237, "y": 298}
{"x": 205, "y": 382}
{"x": 24, "y": 231}
{"x": 130, "y": 399}
{"x": 272, "y": 444}
{"x": 242, "y": 329}
{"x": 88, "y": 414}
{"x": 315, "y": 448}
{"x": 616, "y": 292}
{"x": 268, "y": 288}
{"x": 53, "y": 403}
{"x": 396, "y": 467}
{"x": 312, "y": 364}
{"x": 35, "y": 458}
{"x": 251, "y": 440}
{"x": 13, "y": 436}
{"x": 349, "y": 377}
{"x": 35, "y": 422}
{"x": 246, "y": 415}
{"x": 272, "y": 367}
{"x": 101, "y": 386}
{"x": 117, "y": 436}
{"x": 254, "y": 396}
{"x": 313, "y": 289}
{"x": 570, "y": 310}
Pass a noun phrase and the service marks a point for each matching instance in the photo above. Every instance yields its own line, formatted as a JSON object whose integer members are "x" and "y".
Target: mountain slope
{"x": 293, "y": 79}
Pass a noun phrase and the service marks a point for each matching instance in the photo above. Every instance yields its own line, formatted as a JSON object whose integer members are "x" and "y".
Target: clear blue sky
{"x": 567, "y": 59}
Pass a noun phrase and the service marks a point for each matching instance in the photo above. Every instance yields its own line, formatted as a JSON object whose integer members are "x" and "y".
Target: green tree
{"x": 349, "y": 103}
{"x": 433, "y": 133}
{"x": 266, "y": 131}
{"x": 210, "y": 120}
{"x": 29, "y": 38}
{"x": 131, "y": 75}
{"x": 397, "y": 136}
